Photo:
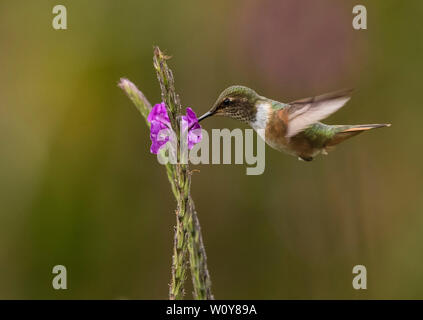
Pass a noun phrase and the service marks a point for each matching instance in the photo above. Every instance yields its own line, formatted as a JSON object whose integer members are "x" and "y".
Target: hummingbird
{"x": 292, "y": 127}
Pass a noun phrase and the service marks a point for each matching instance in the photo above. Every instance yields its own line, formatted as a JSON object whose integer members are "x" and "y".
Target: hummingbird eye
{"x": 226, "y": 102}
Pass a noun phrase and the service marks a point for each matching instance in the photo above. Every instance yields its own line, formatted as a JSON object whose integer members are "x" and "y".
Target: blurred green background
{"x": 78, "y": 186}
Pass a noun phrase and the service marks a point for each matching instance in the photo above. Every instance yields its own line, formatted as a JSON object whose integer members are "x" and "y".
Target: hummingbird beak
{"x": 206, "y": 115}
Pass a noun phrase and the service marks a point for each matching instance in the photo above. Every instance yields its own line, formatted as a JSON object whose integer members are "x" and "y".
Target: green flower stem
{"x": 187, "y": 238}
{"x": 181, "y": 177}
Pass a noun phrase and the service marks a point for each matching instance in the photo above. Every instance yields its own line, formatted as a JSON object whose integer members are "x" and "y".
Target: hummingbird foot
{"x": 305, "y": 158}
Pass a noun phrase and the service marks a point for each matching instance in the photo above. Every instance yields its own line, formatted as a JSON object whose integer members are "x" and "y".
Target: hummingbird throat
{"x": 263, "y": 110}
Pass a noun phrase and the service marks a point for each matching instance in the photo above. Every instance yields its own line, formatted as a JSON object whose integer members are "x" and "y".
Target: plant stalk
{"x": 188, "y": 240}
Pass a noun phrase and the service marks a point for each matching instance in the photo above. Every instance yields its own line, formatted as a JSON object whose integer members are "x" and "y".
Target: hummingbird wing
{"x": 303, "y": 113}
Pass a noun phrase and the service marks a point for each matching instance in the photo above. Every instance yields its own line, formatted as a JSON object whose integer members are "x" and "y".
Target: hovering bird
{"x": 290, "y": 127}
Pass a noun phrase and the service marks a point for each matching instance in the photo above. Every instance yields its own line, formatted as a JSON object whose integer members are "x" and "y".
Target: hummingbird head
{"x": 236, "y": 102}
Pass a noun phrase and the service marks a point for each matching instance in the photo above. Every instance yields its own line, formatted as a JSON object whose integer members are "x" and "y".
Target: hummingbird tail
{"x": 347, "y": 132}
{"x": 364, "y": 127}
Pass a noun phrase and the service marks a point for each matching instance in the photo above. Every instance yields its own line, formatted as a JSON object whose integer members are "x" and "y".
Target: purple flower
{"x": 194, "y": 133}
{"x": 161, "y": 130}
{"x": 160, "y": 124}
